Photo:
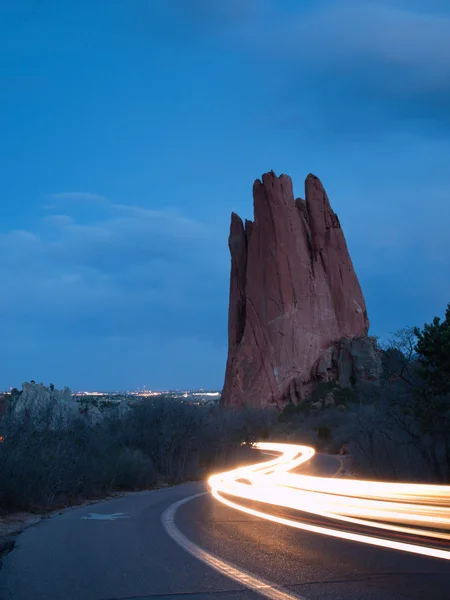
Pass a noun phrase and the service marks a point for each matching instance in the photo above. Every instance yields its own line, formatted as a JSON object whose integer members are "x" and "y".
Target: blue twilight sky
{"x": 132, "y": 128}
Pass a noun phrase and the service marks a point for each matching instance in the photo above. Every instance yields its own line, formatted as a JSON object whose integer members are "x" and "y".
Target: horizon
{"x": 194, "y": 391}
{"x": 134, "y": 131}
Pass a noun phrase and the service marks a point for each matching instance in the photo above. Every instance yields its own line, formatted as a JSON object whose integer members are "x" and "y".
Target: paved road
{"x": 120, "y": 549}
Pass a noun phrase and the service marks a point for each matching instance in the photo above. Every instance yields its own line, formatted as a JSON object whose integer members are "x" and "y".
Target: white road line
{"x": 258, "y": 584}
{"x": 340, "y": 469}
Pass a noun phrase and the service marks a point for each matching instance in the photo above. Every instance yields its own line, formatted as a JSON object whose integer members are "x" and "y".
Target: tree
{"x": 432, "y": 402}
{"x": 399, "y": 355}
{"x": 417, "y": 392}
{"x": 52, "y": 387}
{"x": 433, "y": 348}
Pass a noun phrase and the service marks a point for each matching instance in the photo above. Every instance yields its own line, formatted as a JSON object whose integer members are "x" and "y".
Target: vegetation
{"x": 45, "y": 465}
{"x": 324, "y": 433}
{"x": 417, "y": 419}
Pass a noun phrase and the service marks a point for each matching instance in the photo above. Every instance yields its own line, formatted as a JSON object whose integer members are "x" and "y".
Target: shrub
{"x": 321, "y": 390}
{"x": 324, "y": 433}
{"x": 345, "y": 396}
{"x": 45, "y": 463}
{"x": 133, "y": 469}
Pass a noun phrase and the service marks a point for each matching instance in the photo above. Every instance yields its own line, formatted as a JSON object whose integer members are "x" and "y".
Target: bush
{"x": 345, "y": 396}
{"x": 324, "y": 433}
{"x": 321, "y": 390}
{"x": 133, "y": 469}
{"x": 42, "y": 467}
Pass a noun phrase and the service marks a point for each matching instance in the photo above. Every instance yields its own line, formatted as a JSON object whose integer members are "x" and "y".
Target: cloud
{"x": 205, "y": 19}
{"x": 349, "y": 32}
{"x": 373, "y": 68}
{"x": 78, "y": 197}
{"x": 134, "y": 272}
{"x": 227, "y": 13}
{"x": 170, "y": 221}
{"x": 350, "y": 68}
{"x": 58, "y": 220}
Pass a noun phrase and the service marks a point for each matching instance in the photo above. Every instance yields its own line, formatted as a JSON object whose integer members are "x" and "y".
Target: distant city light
{"x": 187, "y": 396}
{"x": 195, "y": 397}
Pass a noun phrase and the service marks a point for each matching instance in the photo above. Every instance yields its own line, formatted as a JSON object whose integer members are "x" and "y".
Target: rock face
{"x": 350, "y": 361}
{"x": 293, "y": 294}
{"x": 49, "y": 408}
{"x": 45, "y": 407}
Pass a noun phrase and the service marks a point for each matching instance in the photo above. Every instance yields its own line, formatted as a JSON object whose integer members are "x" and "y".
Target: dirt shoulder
{"x": 11, "y": 526}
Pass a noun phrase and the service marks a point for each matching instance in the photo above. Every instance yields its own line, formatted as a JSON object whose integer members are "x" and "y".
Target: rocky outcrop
{"x": 49, "y": 408}
{"x": 45, "y": 407}
{"x": 329, "y": 401}
{"x": 293, "y": 295}
{"x": 350, "y": 361}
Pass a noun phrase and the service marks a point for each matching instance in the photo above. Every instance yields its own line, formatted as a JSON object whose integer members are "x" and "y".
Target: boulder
{"x": 329, "y": 401}
{"x": 45, "y": 407}
{"x": 350, "y": 361}
{"x": 316, "y": 406}
{"x": 344, "y": 451}
{"x": 293, "y": 295}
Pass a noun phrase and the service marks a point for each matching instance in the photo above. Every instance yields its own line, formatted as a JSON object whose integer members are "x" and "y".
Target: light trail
{"x": 402, "y": 509}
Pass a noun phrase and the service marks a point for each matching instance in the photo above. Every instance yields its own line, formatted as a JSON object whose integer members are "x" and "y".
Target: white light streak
{"x": 405, "y": 509}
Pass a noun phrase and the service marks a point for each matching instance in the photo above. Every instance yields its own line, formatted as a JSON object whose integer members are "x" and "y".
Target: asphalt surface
{"x": 120, "y": 549}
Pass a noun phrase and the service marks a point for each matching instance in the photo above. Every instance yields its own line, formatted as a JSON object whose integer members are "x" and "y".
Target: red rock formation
{"x": 293, "y": 293}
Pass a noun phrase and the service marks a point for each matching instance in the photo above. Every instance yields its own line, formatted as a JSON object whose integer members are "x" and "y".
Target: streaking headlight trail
{"x": 402, "y": 516}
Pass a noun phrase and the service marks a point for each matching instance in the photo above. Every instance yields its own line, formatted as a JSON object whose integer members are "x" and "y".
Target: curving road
{"x": 160, "y": 544}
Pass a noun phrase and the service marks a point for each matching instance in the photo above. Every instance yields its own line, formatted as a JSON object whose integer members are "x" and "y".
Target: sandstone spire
{"x": 293, "y": 292}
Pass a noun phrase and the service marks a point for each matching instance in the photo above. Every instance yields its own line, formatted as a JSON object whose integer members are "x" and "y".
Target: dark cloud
{"x": 204, "y": 14}
{"x": 136, "y": 272}
{"x": 351, "y": 103}
{"x": 350, "y": 67}
{"x": 353, "y": 69}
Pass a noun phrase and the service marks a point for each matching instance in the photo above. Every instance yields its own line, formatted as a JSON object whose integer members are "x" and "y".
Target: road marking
{"x": 257, "y": 584}
{"x": 100, "y": 517}
{"x": 341, "y": 467}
